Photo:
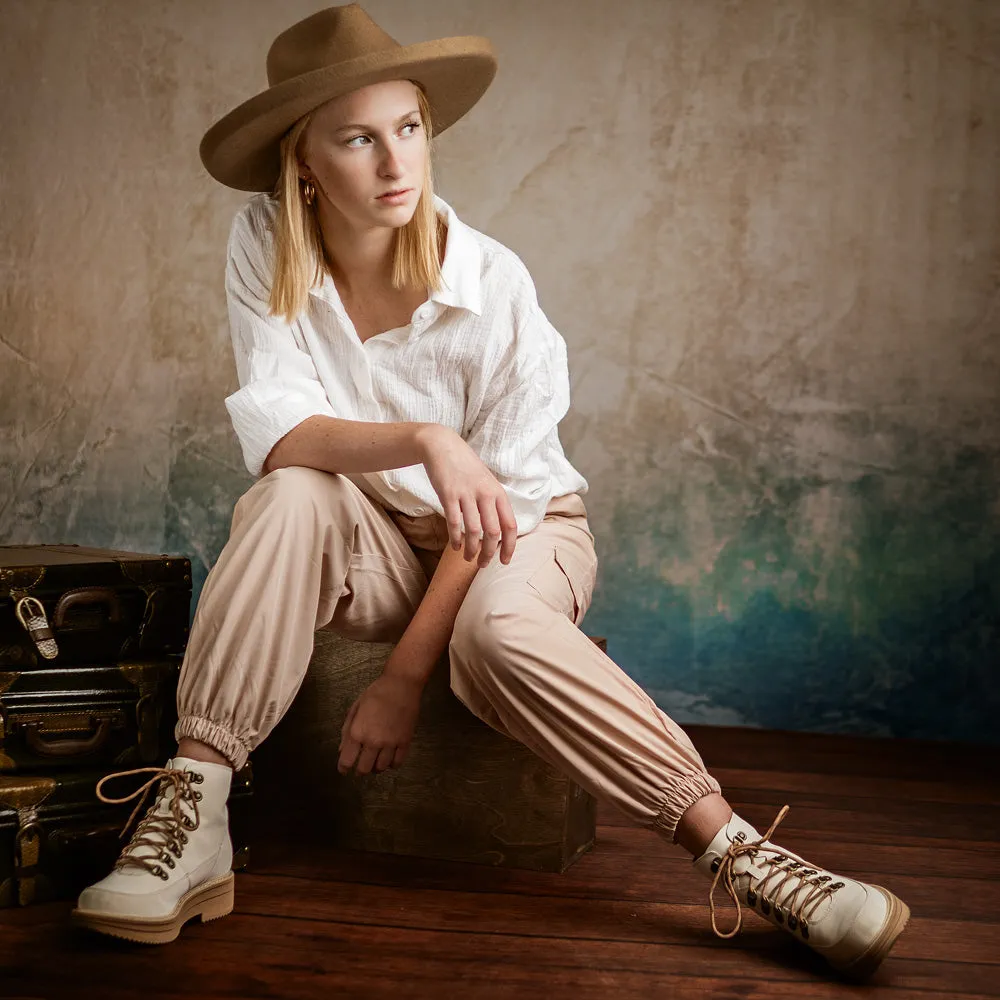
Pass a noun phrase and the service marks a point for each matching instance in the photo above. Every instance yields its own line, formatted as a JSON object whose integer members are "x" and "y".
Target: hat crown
{"x": 329, "y": 36}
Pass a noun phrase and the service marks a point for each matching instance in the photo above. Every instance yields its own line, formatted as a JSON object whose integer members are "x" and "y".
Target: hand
{"x": 379, "y": 726}
{"x": 469, "y": 492}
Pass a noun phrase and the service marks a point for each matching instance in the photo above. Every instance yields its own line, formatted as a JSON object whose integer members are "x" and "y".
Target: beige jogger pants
{"x": 309, "y": 550}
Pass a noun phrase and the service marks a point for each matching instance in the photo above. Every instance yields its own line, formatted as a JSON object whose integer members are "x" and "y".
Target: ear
{"x": 301, "y": 167}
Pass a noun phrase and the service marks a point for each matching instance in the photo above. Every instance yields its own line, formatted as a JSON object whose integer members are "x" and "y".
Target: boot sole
{"x": 871, "y": 958}
{"x": 210, "y": 900}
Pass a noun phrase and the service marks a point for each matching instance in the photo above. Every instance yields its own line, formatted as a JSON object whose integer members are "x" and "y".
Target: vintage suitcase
{"x": 112, "y": 715}
{"x": 56, "y": 836}
{"x": 70, "y": 605}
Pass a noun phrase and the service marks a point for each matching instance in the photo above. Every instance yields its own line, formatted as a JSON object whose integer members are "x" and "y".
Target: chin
{"x": 396, "y": 215}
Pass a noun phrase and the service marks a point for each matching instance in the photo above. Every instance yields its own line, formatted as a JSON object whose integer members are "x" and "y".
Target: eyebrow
{"x": 367, "y": 128}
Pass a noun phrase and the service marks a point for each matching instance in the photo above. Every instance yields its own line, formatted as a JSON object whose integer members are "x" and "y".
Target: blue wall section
{"x": 895, "y": 632}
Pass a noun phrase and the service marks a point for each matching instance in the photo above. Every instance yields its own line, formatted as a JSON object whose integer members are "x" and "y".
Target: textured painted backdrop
{"x": 768, "y": 231}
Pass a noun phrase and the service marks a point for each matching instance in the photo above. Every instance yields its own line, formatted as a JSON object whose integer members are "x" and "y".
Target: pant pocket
{"x": 566, "y": 582}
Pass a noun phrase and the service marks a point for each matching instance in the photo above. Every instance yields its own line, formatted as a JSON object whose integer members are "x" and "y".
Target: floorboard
{"x": 630, "y": 919}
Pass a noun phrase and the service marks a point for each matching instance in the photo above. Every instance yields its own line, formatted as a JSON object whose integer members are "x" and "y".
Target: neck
{"x": 360, "y": 258}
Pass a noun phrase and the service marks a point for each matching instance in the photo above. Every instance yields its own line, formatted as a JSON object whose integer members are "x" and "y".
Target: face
{"x": 362, "y": 145}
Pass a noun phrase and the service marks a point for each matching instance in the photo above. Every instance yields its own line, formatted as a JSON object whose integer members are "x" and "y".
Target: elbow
{"x": 272, "y": 462}
{"x": 283, "y": 452}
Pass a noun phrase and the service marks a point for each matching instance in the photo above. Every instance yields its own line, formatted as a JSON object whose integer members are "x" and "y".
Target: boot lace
{"x": 785, "y": 871}
{"x": 162, "y": 834}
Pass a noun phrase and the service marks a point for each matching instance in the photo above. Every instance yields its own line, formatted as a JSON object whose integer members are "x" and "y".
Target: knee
{"x": 490, "y": 637}
{"x": 294, "y": 483}
{"x": 292, "y": 492}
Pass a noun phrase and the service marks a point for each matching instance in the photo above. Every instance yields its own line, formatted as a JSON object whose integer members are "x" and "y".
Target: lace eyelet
{"x": 836, "y": 885}
{"x": 751, "y": 897}
{"x": 778, "y": 915}
{"x": 793, "y": 921}
{"x": 198, "y": 796}
{"x": 715, "y": 865}
{"x": 765, "y": 906}
{"x": 804, "y": 929}
{"x": 197, "y": 777}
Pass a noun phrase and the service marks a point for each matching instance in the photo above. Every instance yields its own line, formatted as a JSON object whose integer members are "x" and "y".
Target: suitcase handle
{"x": 88, "y": 595}
{"x": 35, "y": 737}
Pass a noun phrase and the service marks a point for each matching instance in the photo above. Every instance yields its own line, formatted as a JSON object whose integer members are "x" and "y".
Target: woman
{"x": 400, "y": 396}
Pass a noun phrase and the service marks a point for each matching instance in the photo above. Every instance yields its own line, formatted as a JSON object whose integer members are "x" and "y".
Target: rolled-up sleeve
{"x": 516, "y": 428}
{"x": 279, "y": 386}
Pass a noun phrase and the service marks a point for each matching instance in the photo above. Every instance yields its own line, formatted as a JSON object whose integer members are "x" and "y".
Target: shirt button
{"x": 419, "y": 510}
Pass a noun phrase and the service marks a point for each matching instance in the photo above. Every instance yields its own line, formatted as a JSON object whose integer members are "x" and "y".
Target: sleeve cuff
{"x": 264, "y": 411}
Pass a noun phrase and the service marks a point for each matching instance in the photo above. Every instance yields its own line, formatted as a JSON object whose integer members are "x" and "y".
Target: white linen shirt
{"x": 479, "y": 356}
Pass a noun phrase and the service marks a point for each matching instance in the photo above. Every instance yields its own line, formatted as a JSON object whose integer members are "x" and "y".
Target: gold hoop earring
{"x": 309, "y": 192}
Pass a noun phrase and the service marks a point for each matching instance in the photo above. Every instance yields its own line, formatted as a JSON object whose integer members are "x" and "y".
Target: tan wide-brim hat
{"x": 331, "y": 53}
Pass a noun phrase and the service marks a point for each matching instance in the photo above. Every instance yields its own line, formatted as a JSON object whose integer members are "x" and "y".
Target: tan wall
{"x": 768, "y": 231}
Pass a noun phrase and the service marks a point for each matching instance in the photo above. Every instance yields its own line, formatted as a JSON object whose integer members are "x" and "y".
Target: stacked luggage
{"x": 91, "y": 642}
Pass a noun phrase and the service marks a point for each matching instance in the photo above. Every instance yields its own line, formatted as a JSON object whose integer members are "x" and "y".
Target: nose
{"x": 390, "y": 164}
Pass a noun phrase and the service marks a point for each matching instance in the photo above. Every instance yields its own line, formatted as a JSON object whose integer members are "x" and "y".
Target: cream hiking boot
{"x": 177, "y": 864}
{"x": 851, "y": 924}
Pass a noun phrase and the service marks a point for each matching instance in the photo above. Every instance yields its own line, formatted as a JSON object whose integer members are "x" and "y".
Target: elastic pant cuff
{"x": 678, "y": 797}
{"x": 217, "y": 737}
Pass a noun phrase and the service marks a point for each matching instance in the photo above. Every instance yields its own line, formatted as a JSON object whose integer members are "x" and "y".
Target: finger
{"x": 349, "y": 751}
{"x": 385, "y": 758}
{"x": 366, "y": 760}
{"x": 351, "y": 712}
{"x": 473, "y": 528}
{"x": 453, "y": 518}
{"x": 400, "y": 755}
{"x": 491, "y": 530}
{"x": 508, "y": 526}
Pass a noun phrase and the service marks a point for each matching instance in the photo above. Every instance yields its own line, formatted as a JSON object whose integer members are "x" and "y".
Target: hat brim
{"x": 242, "y": 150}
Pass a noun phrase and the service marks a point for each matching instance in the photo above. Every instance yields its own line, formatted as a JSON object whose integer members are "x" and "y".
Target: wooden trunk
{"x": 464, "y": 793}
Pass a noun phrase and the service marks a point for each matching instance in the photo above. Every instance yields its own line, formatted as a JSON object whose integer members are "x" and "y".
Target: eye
{"x": 353, "y": 140}
{"x": 412, "y": 125}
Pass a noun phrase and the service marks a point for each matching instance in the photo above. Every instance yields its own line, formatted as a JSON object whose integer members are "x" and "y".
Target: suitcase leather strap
{"x": 31, "y": 614}
{"x": 26, "y": 795}
{"x": 27, "y": 847}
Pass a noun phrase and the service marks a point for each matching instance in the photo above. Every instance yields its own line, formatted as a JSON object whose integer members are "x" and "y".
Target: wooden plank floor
{"x": 628, "y": 920}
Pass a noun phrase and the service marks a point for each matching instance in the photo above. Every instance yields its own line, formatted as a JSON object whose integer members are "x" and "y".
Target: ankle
{"x": 701, "y": 821}
{"x": 196, "y": 750}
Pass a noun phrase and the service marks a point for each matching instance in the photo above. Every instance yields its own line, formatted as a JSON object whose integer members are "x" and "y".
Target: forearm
{"x": 429, "y": 632}
{"x": 335, "y": 445}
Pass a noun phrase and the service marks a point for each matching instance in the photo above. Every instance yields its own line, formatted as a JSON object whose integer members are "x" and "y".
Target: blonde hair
{"x": 299, "y": 257}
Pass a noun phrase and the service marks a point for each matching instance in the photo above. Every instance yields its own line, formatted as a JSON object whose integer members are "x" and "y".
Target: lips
{"x": 389, "y": 194}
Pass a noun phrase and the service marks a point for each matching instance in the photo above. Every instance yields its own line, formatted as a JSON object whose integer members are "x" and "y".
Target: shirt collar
{"x": 461, "y": 268}
{"x": 462, "y": 265}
